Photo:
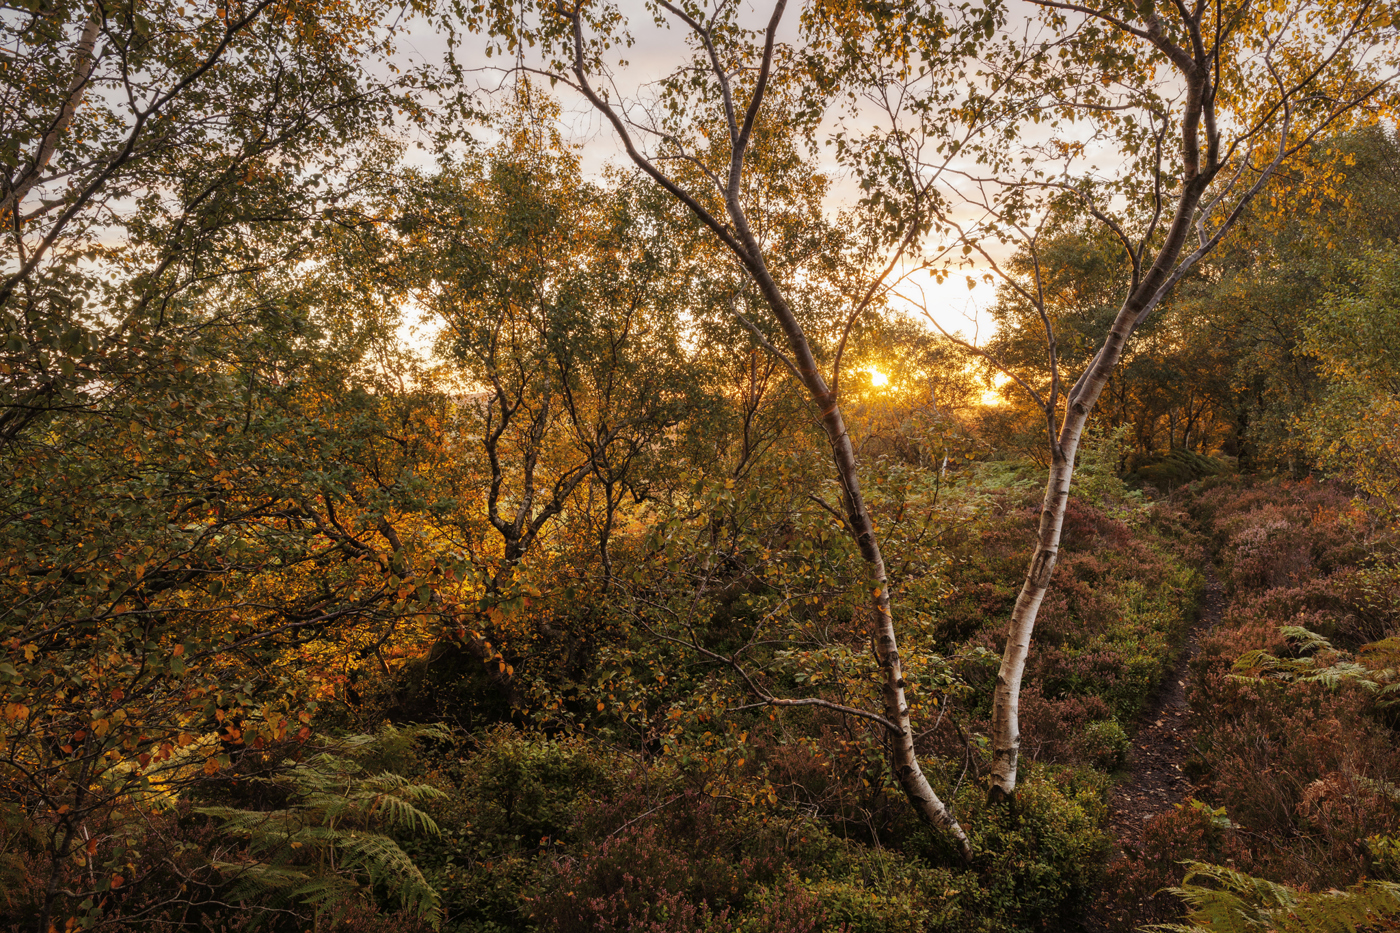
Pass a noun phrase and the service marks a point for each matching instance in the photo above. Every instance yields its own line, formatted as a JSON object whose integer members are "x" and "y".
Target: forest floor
{"x": 1155, "y": 779}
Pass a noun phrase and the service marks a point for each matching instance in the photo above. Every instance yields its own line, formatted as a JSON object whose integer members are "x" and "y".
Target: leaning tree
{"x": 1158, "y": 127}
{"x": 966, "y": 130}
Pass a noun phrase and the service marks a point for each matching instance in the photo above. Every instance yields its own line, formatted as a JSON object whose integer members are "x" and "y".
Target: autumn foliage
{"x": 409, "y": 525}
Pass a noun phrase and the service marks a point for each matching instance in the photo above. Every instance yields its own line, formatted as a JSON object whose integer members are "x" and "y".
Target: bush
{"x": 511, "y": 799}
{"x": 1303, "y": 766}
{"x": 1136, "y": 884}
{"x": 1174, "y": 469}
{"x": 1039, "y": 861}
{"x": 640, "y": 881}
{"x": 1124, "y": 592}
{"x": 1105, "y": 744}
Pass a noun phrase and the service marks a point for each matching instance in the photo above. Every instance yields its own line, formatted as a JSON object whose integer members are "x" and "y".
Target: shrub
{"x": 1171, "y": 470}
{"x": 1040, "y": 861}
{"x": 527, "y": 787}
{"x": 1104, "y": 744}
{"x": 694, "y": 852}
{"x": 1290, "y": 739}
{"x": 1052, "y": 730}
{"x": 638, "y": 881}
{"x": 1135, "y": 887}
{"x": 510, "y": 800}
{"x": 1123, "y": 593}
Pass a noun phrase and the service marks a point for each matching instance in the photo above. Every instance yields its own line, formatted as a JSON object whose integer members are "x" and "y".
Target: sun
{"x": 992, "y": 397}
{"x": 877, "y": 378}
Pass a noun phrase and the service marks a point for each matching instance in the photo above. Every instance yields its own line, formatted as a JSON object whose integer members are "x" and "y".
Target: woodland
{"x": 537, "y": 483}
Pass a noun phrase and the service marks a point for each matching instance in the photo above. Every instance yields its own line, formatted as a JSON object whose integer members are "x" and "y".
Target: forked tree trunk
{"x": 1195, "y": 57}
{"x": 1006, "y": 735}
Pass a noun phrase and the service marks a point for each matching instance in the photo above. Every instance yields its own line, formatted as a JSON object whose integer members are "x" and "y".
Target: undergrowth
{"x": 1293, "y": 721}
{"x": 697, "y": 816}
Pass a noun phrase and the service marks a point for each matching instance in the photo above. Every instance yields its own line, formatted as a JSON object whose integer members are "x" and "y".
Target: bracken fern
{"x": 325, "y": 846}
{"x": 1235, "y": 902}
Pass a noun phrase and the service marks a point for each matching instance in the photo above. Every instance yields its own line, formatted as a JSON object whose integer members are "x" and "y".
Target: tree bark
{"x": 77, "y": 88}
{"x": 739, "y": 239}
{"x": 1006, "y": 735}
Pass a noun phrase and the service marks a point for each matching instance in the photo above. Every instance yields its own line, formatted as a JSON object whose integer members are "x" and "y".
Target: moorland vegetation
{"x": 689, "y": 574}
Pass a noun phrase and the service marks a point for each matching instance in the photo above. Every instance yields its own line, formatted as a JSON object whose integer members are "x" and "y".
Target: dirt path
{"x": 1155, "y": 780}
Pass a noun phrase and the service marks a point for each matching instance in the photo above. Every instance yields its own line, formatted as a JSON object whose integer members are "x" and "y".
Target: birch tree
{"x": 1161, "y": 123}
{"x": 693, "y": 134}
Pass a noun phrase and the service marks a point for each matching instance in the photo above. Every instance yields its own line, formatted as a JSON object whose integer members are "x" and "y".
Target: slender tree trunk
{"x": 739, "y": 238}
{"x": 903, "y": 758}
{"x": 1079, "y": 403}
{"x": 53, "y": 889}
{"x": 1006, "y": 735}
{"x": 77, "y": 90}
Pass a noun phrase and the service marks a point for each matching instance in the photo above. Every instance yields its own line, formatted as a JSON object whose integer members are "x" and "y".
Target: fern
{"x": 1235, "y": 902}
{"x": 1259, "y": 665}
{"x": 326, "y": 845}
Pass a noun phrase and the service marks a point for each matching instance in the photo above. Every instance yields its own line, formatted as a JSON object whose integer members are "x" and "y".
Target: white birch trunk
{"x": 1079, "y": 403}
{"x": 48, "y": 145}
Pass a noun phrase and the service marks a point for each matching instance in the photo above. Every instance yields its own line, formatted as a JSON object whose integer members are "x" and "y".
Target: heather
{"x": 691, "y": 465}
{"x": 792, "y": 822}
{"x": 1292, "y": 748}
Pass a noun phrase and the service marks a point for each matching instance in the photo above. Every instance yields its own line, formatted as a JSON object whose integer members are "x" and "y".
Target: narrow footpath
{"x": 1155, "y": 780}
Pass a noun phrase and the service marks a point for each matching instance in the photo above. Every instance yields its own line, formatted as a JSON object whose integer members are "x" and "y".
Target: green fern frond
{"x": 283, "y": 886}
{"x": 1306, "y": 638}
{"x": 325, "y": 845}
{"x": 1260, "y": 666}
{"x": 1235, "y": 902}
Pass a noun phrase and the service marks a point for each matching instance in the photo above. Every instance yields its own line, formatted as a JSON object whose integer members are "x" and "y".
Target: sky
{"x": 655, "y": 53}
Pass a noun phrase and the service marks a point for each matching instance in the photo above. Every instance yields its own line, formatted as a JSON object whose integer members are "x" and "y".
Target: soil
{"x": 1155, "y": 780}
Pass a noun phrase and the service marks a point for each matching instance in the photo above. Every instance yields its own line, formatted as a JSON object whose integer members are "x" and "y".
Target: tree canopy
{"x": 402, "y": 516}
